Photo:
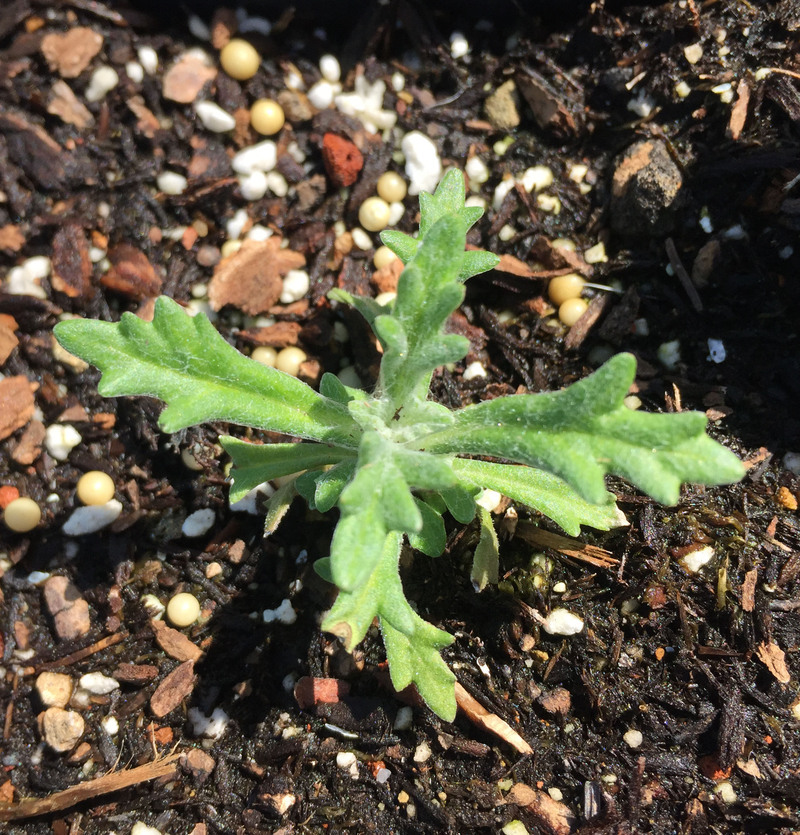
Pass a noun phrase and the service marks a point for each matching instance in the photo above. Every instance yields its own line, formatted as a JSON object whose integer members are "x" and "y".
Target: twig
{"x": 591, "y": 554}
{"x": 683, "y": 276}
{"x": 114, "y": 781}
{"x": 490, "y": 721}
{"x": 80, "y": 654}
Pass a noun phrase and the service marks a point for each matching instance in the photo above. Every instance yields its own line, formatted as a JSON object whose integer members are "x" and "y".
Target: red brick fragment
{"x": 343, "y": 161}
{"x": 310, "y": 691}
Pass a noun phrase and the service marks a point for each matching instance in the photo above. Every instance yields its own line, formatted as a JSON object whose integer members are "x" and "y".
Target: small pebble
{"x": 473, "y": 370}
{"x": 562, "y": 622}
{"x": 214, "y": 118}
{"x": 284, "y": 613}
{"x": 693, "y": 52}
{"x": 239, "y": 59}
{"x": 170, "y": 182}
{"x": 95, "y": 488}
{"x": 347, "y": 762}
{"x": 92, "y": 518}
{"x": 98, "y": 684}
{"x": 69, "y": 610}
{"x": 110, "y": 725}
{"x": 329, "y": 68}
{"x": 148, "y": 58}
{"x": 423, "y": 164}
{"x": 571, "y": 310}
{"x": 253, "y": 186}
{"x": 198, "y": 523}
{"x": 537, "y": 178}
{"x": 208, "y": 727}
{"x": 135, "y": 71}
{"x": 62, "y": 729}
{"x": 295, "y": 286}
{"x": 266, "y": 117}
{"x": 633, "y": 738}
{"x": 373, "y": 214}
{"x": 103, "y": 81}
{"x": 290, "y": 359}
{"x": 262, "y": 156}
{"x": 183, "y": 609}
{"x": 60, "y": 439}
{"x": 564, "y": 287}
{"x": 53, "y": 689}
{"x": 391, "y": 187}
{"x": 322, "y": 93}
{"x": 141, "y": 828}
{"x": 22, "y": 515}
{"x": 459, "y": 45}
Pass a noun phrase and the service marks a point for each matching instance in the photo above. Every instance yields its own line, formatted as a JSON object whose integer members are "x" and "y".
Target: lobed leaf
{"x": 412, "y": 645}
{"x": 542, "y": 491}
{"x": 256, "y": 463}
{"x": 585, "y": 432}
{"x": 185, "y": 362}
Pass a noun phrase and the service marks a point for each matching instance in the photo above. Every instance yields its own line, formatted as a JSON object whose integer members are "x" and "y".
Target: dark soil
{"x": 703, "y": 246}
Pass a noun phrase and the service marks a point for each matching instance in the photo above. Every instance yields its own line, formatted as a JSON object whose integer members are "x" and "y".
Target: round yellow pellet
{"x": 265, "y": 354}
{"x": 95, "y": 487}
{"x": 392, "y": 187}
{"x": 571, "y": 310}
{"x": 22, "y": 514}
{"x": 383, "y": 257}
{"x": 240, "y": 59}
{"x": 564, "y": 287}
{"x": 290, "y": 359}
{"x": 374, "y": 214}
{"x": 266, "y": 116}
{"x": 183, "y": 609}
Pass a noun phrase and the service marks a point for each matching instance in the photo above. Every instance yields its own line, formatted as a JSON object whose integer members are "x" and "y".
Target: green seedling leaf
{"x": 585, "y": 432}
{"x": 412, "y": 645}
{"x": 432, "y": 537}
{"x": 278, "y": 506}
{"x": 486, "y": 559}
{"x": 256, "y": 463}
{"x": 542, "y": 491}
{"x": 183, "y": 361}
{"x": 389, "y": 459}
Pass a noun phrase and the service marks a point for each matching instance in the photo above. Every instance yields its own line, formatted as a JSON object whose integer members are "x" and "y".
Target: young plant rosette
{"x": 393, "y": 461}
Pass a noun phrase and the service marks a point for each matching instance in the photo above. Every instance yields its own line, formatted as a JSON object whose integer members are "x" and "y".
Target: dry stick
{"x": 574, "y": 548}
{"x": 80, "y": 654}
{"x": 490, "y": 722}
{"x": 685, "y": 278}
{"x": 116, "y": 780}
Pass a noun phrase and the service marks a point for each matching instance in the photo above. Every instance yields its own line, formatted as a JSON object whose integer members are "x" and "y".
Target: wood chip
{"x": 251, "y": 279}
{"x": 774, "y": 659}
{"x": 11, "y": 238}
{"x": 135, "y": 673}
{"x": 16, "y": 404}
{"x": 173, "y": 689}
{"x": 147, "y": 122}
{"x": 175, "y": 643}
{"x": 184, "y": 80}
{"x": 552, "y": 816}
{"x": 490, "y": 722}
{"x": 8, "y": 341}
{"x": 566, "y": 545}
{"x": 68, "y": 107}
{"x": 72, "y": 267}
{"x": 748, "y": 590}
{"x": 29, "y": 445}
{"x": 70, "y": 53}
{"x": 739, "y": 110}
{"x": 116, "y": 780}
{"x": 131, "y": 273}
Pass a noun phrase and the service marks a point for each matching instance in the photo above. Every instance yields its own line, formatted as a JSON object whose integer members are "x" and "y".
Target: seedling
{"x": 394, "y": 461}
